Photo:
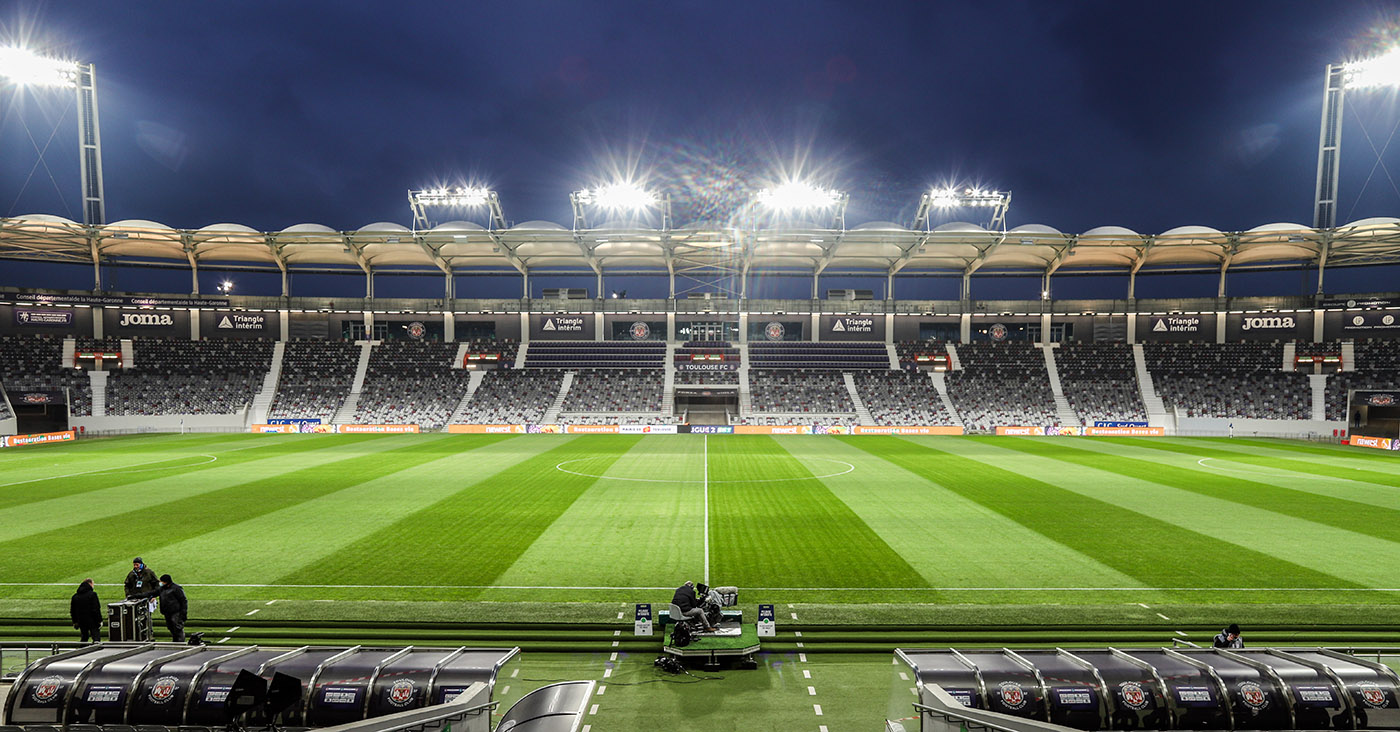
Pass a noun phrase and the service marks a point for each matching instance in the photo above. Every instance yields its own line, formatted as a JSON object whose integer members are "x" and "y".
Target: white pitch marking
{"x": 799, "y": 645}
{"x": 593, "y": 709}
{"x": 789, "y": 606}
{"x": 705, "y": 460}
{"x": 806, "y": 673}
{"x": 802, "y": 657}
{"x": 794, "y": 616}
{"x": 757, "y": 589}
{"x": 1163, "y": 616}
{"x": 1202, "y": 463}
{"x": 254, "y": 611}
{"x": 223, "y": 639}
{"x": 587, "y": 727}
{"x": 269, "y": 602}
{"x": 234, "y": 628}
{"x": 818, "y": 709}
{"x": 617, "y": 632}
{"x": 601, "y": 689}
{"x": 560, "y": 467}
{"x": 515, "y": 673}
{"x": 797, "y": 633}
{"x": 607, "y": 673}
{"x": 821, "y": 728}
{"x": 903, "y": 676}
{"x": 211, "y": 459}
{"x": 811, "y": 691}
{"x": 615, "y": 644}
{"x": 619, "y": 616}
{"x": 613, "y": 657}
{"x": 505, "y": 690}
{"x": 1180, "y": 633}
{"x": 1144, "y": 606}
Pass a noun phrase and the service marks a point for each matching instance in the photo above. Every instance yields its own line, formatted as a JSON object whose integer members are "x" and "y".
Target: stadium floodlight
{"x": 967, "y": 197}
{"x": 794, "y": 195}
{"x": 624, "y": 196}
{"x": 226, "y": 287}
{"x": 25, "y": 68}
{"x": 455, "y": 197}
{"x": 1378, "y": 72}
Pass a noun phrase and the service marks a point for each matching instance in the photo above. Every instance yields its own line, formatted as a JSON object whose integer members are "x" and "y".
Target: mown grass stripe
{"x": 624, "y": 514}
{"x": 1281, "y": 449}
{"x": 940, "y": 533}
{"x": 1297, "y": 466}
{"x": 790, "y": 531}
{"x": 1356, "y": 516}
{"x": 77, "y": 549}
{"x": 1321, "y": 449}
{"x": 1153, "y": 551}
{"x": 475, "y": 534}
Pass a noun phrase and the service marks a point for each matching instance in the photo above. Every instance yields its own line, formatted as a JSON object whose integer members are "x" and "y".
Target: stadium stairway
{"x": 552, "y": 414}
{"x": 262, "y": 402}
{"x": 1318, "y": 382}
{"x": 940, "y": 383}
{"x": 128, "y": 353}
{"x": 862, "y": 412}
{"x": 1063, "y": 411}
{"x": 745, "y": 397}
{"x": 70, "y": 353}
{"x": 1348, "y": 355}
{"x": 98, "y": 381}
{"x": 520, "y": 354}
{"x": 668, "y": 388}
{"x": 954, "y": 363}
{"x": 473, "y": 382}
{"x": 1156, "y": 408}
{"x": 346, "y": 413}
{"x": 894, "y": 356}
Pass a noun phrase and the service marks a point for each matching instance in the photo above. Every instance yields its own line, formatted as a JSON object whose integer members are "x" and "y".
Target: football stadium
{"x": 856, "y": 506}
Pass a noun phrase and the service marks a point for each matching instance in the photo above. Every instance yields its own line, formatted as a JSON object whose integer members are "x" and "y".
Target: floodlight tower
{"x": 26, "y": 68}
{"x": 462, "y": 197}
{"x": 1380, "y": 72}
{"x": 796, "y": 196}
{"x": 622, "y": 197}
{"x": 950, "y": 198}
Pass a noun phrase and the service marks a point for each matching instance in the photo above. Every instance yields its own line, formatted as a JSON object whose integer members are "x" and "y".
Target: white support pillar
{"x": 1132, "y": 328}
{"x": 816, "y": 325}
{"x": 369, "y": 325}
{"x": 671, "y": 327}
{"x": 965, "y": 328}
{"x": 194, "y": 324}
{"x": 1318, "y": 323}
{"x": 1220, "y": 327}
{"x": 524, "y": 327}
{"x": 449, "y": 328}
{"x": 743, "y": 327}
{"x": 284, "y": 319}
{"x": 889, "y": 327}
{"x": 598, "y": 321}
{"x": 98, "y": 315}
{"x": 1045, "y": 328}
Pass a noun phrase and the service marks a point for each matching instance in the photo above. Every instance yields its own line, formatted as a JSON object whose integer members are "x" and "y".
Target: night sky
{"x": 1143, "y": 115}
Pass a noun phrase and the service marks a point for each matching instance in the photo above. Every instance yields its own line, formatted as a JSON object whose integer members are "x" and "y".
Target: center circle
{"x": 560, "y": 467}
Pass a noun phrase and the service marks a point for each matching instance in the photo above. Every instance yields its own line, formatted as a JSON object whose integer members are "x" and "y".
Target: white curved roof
{"x": 872, "y": 247}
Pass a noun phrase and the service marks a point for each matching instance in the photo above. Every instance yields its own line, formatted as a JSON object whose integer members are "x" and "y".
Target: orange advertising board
{"x": 38, "y": 439}
{"x": 908, "y": 430}
{"x": 764, "y": 429}
{"x": 1125, "y": 431}
{"x": 278, "y": 429}
{"x": 1379, "y": 443}
{"x": 486, "y": 429}
{"x": 591, "y": 429}
{"x": 360, "y": 429}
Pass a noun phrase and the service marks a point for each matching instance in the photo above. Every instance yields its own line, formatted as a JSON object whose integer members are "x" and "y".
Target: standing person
{"x": 1229, "y": 638}
{"x": 174, "y": 607}
{"x": 141, "y": 581}
{"x": 86, "y": 611}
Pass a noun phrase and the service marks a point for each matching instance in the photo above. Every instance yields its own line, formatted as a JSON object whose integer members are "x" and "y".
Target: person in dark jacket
{"x": 1229, "y": 638}
{"x": 689, "y": 604}
{"x": 140, "y": 581}
{"x": 174, "y": 607}
{"x": 86, "y": 611}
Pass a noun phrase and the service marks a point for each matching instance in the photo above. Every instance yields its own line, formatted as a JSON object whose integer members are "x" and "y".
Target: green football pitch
{"x": 863, "y": 544}
{"x": 854, "y": 526}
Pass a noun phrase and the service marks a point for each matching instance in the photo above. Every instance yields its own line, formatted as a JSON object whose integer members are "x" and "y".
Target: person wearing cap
{"x": 174, "y": 607}
{"x": 86, "y": 612}
{"x": 1229, "y": 638}
{"x": 141, "y": 581}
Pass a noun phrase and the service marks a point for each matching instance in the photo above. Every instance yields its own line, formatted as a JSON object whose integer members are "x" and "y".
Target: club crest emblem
{"x": 640, "y": 331}
{"x": 1381, "y": 400}
{"x": 773, "y": 331}
{"x": 401, "y": 693}
{"x": 1253, "y": 695}
{"x": 1012, "y": 695}
{"x": 416, "y": 330}
{"x": 997, "y": 332}
{"x": 164, "y": 689}
{"x": 1373, "y": 696}
{"x": 1133, "y": 695}
{"x": 47, "y": 690}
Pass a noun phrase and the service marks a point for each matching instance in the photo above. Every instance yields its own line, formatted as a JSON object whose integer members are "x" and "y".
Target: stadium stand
{"x": 1377, "y": 367}
{"x": 1100, "y": 382}
{"x": 907, "y": 351}
{"x": 34, "y": 363}
{"x": 901, "y": 398}
{"x": 615, "y": 390}
{"x": 412, "y": 382}
{"x": 800, "y": 355}
{"x": 188, "y": 377}
{"x": 316, "y": 379}
{"x": 788, "y": 391}
{"x": 1001, "y": 384}
{"x": 513, "y": 397}
{"x": 692, "y": 378}
{"x": 1228, "y": 380}
{"x": 596, "y": 354}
